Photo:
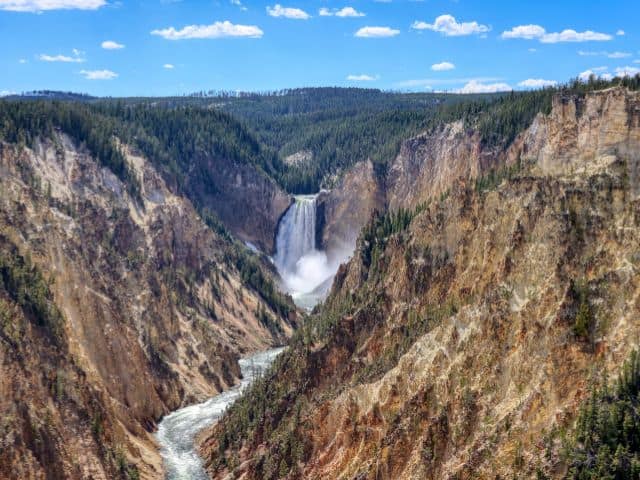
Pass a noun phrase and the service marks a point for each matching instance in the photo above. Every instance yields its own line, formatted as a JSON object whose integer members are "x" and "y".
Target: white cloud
{"x": 168, "y": 66}
{"x": 620, "y": 33}
{"x": 22, "y": 60}
{"x": 111, "y": 45}
{"x": 537, "y": 83}
{"x": 287, "y": 12}
{"x": 604, "y": 54}
{"x": 635, "y": 61}
{"x": 536, "y": 32}
{"x": 429, "y": 82}
{"x": 342, "y": 12}
{"x": 376, "y": 32}
{"x": 6, "y": 93}
{"x": 528, "y": 32}
{"x": 475, "y": 86}
{"x": 362, "y": 78}
{"x": 598, "y": 72}
{"x": 98, "y": 74}
{"x": 532, "y": 50}
{"x": 627, "y": 71}
{"x": 447, "y": 25}
{"x": 239, "y": 4}
{"x": 215, "y": 30}
{"x": 443, "y": 66}
{"x": 43, "y": 5}
{"x": 61, "y": 58}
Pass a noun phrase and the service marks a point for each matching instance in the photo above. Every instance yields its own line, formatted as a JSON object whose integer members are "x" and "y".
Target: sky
{"x": 174, "y": 47}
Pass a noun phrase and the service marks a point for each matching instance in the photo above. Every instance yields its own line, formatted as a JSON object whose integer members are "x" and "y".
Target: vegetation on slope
{"x": 340, "y": 127}
{"x": 173, "y": 139}
{"x": 606, "y": 442}
{"x": 24, "y": 284}
{"x": 23, "y": 122}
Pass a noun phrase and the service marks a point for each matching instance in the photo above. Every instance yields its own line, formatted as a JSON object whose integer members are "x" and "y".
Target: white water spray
{"x": 306, "y": 271}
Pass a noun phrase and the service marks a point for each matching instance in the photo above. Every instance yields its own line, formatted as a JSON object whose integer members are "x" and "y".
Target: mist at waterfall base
{"x": 306, "y": 271}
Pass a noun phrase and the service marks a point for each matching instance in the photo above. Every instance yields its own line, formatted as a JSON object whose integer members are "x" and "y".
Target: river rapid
{"x": 178, "y": 430}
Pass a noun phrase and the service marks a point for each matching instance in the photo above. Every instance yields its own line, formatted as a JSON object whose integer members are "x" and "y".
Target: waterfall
{"x": 306, "y": 271}
{"x": 296, "y": 233}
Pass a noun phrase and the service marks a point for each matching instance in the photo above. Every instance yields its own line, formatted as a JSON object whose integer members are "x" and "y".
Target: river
{"x": 177, "y": 431}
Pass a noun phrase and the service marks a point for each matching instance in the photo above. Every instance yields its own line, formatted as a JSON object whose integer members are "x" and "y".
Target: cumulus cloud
{"x": 98, "y": 74}
{"x": 111, "y": 45}
{"x": 537, "y": 83}
{"x": 620, "y": 33}
{"x": 597, "y": 72}
{"x": 168, "y": 66}
{"x": 215, "y": 30}
{"x": 443, "y": 66}
{"x": 362, "y": 78}
{"x": 287, "y": 12}
{"x": 43, "y": 5}
{"x": 449, "y": 26}
{"x": 528, "y": 32}
{"x": 22, "y": 60}
{"x": 475, "y": 86}
{"x": 627, "y": 71}
{"x": 341, "y": 12}
{"x": 376, "y": 32}
{"x": 6, "y": 93}
{"x": 536, "y": 32}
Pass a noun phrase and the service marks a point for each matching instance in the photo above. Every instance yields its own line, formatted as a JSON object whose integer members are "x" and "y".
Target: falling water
{"x": 305, "y": 270}
{"x": 297, "y": 233}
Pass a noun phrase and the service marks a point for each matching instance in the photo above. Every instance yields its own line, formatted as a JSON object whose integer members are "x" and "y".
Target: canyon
{"x": 446, "y": 311}
{"x": 464, "y": 334}
{"x": 151, "y": 315}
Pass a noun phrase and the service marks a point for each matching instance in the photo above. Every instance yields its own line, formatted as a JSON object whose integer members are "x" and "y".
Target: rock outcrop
{"x": 247, "y": 201}
{"x": 344, "y": 210}
{"x": 152, "y": 314}
{"x": 454, "y": 345}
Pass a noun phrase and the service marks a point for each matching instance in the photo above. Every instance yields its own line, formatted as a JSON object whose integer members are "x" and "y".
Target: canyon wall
{"x": 344, "y": 210}
{"x": 147, "y": 314}
{"x": 460, "y": 343}
{"x": 248, "y": 202}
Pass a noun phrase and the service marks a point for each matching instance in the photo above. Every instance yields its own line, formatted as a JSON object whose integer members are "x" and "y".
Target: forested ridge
{"x": 336, "y": 126}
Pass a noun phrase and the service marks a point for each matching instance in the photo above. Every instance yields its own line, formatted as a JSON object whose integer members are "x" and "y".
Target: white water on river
{"x": 177, "y": 431}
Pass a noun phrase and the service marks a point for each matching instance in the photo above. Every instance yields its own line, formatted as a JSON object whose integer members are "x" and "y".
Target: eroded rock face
{"x": 248, "y": 202}
{"x": 585, "y": 135}
{"x": 455, "y": 348}
{"x": 344, "y": 210}
{"x": 428, "y": 163}
{"x": 579, "y": 133}
{"x": 154, "y": 317}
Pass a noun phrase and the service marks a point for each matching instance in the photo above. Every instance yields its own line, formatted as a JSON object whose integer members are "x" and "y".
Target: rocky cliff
{"x": 114, "y": 312}
{"x": 462, "y": 337}
{"x": 344, "y": 210}
{"x": 248, "y": 202}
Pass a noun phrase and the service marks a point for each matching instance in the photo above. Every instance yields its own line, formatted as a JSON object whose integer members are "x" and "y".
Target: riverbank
{"x": 177, "y": 432}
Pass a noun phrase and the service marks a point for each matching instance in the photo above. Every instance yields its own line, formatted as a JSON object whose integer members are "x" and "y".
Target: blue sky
{"x": 164, "y": 47}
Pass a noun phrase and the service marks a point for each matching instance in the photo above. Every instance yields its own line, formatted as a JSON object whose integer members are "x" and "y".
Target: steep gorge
{"x": 464, "y": 332}
{"x": 152, "y": 311}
